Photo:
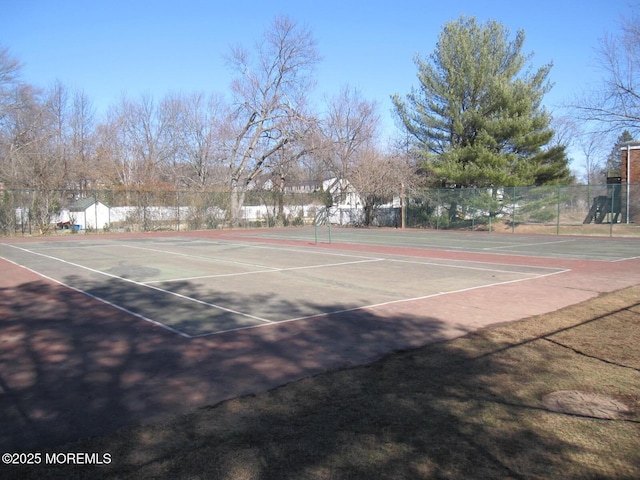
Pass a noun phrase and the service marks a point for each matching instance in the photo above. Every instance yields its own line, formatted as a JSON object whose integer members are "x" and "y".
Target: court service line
{"x": 162, "y": 290}
{"x": 180, "y": 254}
{"x": 517, "y": 245}
{"x": 247, "y": 245}
{"x": 411, "y": 240}
{"x": 273, "y": 270}
{"x": 368, "y": 242}
{"x": 102, "y": 300}
{"x": 290, "y": 249}
{"x": 393, "y": 256}
{"x": 624, "y": 259}
{"x": 382, "y": 304}
{"x": 432, "y": 295}
{"x": 465, "y": 267}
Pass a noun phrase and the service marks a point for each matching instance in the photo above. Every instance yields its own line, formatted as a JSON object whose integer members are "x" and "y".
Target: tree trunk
{"x": 237, "y": 201}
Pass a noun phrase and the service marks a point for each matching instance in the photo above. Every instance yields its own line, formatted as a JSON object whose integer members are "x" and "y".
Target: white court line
{"x": 445, "y": 241}
{"x": 624, "y": 259}
{"x": 248, "y": 245}
{"x": 276, "y": 269}
{"x": 267, "y": 271}
{"x": 307, "y": 251}
{"x": 474, "y": 261}
{"x": 180, "y": 254}
{"x": 376, "y": 305}
{"x": 516, "y": 245}
{"x": 465, "y": 267}
{"x": 175, "y": 294}
{"x": 404, "y": 300}
{"x": 168, "y": 252}
{"x": 416, "y": 262}
{"x": 466, "y": 249}
{"x": 437, "y": 246}
{"x": 106, "y": 302}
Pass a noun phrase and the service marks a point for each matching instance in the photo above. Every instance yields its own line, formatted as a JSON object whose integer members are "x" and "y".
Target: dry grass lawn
{"x": 469, "y": 408}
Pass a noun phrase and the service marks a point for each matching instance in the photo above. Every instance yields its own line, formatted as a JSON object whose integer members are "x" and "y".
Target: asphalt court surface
{"x": 199, "y": 287}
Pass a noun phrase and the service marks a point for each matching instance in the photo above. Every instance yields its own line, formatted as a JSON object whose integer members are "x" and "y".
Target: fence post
{"x": 109, "y": 207}
{"x": 613, "y": 194}
{"x": 439, "y": 210}
{"x": 513, "y": 212}
{"x": 558, "y": 216}
{"x": 473, "y": 209}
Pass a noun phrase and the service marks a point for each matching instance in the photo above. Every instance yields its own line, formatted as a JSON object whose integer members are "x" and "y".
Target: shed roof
{"x": 82, "y": 204}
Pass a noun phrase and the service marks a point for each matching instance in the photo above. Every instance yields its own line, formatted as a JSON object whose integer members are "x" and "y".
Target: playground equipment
{"x": 604, "y": 205}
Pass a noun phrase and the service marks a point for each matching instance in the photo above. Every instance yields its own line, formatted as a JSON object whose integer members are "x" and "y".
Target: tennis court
{"x": 106, "y": 330}
{"x": 545, "y": 246}
{"x": 196, "y": 287}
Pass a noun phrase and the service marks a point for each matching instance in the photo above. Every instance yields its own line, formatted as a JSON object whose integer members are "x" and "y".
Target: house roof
{"x": 82, "y": 204}
{"x": 633, "y": 144}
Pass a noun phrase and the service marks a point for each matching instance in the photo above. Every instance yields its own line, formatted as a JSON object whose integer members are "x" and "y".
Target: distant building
{"x": 85, "y": 213}
{"x": 630, "y": 177}
{"x": 630, "y": 164}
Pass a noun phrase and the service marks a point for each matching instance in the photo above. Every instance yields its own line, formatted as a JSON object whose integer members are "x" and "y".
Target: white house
{"x": 343, "y": 193}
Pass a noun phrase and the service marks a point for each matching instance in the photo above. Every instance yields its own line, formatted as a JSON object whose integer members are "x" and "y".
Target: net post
{"x": 316, "y": 232}
{"x": 329, "y": 224}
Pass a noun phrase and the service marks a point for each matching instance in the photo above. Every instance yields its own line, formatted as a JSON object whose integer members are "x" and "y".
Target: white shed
{"x": 87, "y": 213}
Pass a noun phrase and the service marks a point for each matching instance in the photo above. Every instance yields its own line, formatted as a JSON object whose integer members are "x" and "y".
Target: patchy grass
{"x": 468, "y": 408}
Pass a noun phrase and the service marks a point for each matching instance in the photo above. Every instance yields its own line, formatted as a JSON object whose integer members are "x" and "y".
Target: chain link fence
{"x": 574, "y": 209}
{"x": 612, "y": 210}
{"x": 36, "y": 212}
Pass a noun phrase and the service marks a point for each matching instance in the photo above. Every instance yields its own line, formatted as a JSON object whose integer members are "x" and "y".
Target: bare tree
{"x": 378, "y": 178}
{"x": 270, "y": 95}
{"x": 113, "y": 154}
{"x": 289, "y": 160}
{"x": 565, "y": 131}
{"x": 615, "y": 106}
{"x": 592, "y": 146}
{"x": 82, "y": 147}
{"x": 10, "y": 69}
{"x": 31, "y": 155}
{"x": 350, "y": 126}
{"x": 199, "y": 134}
{"x": 136, "y": 138}
{"x": 57, "y": 104}
{"x": 587, "y": 144}
{"x": 12, "y": 100}
{"x": 33, "y": 139}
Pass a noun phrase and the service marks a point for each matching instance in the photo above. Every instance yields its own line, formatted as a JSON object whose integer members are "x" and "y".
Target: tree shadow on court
{"x": 69, "y": 366}
{"x": 73, "y": 368}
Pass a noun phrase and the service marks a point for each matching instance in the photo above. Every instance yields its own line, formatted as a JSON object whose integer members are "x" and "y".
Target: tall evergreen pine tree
{"x": 476, "y": 118}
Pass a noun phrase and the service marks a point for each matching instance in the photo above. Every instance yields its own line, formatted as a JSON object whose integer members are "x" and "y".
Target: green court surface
{"x": 549, "y": 246}
{"x": 196, "y": 287}
{"x": 248, "y": 279}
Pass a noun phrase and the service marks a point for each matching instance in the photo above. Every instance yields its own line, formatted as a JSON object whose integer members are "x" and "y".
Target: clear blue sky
{"x": 115, "y": 47}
